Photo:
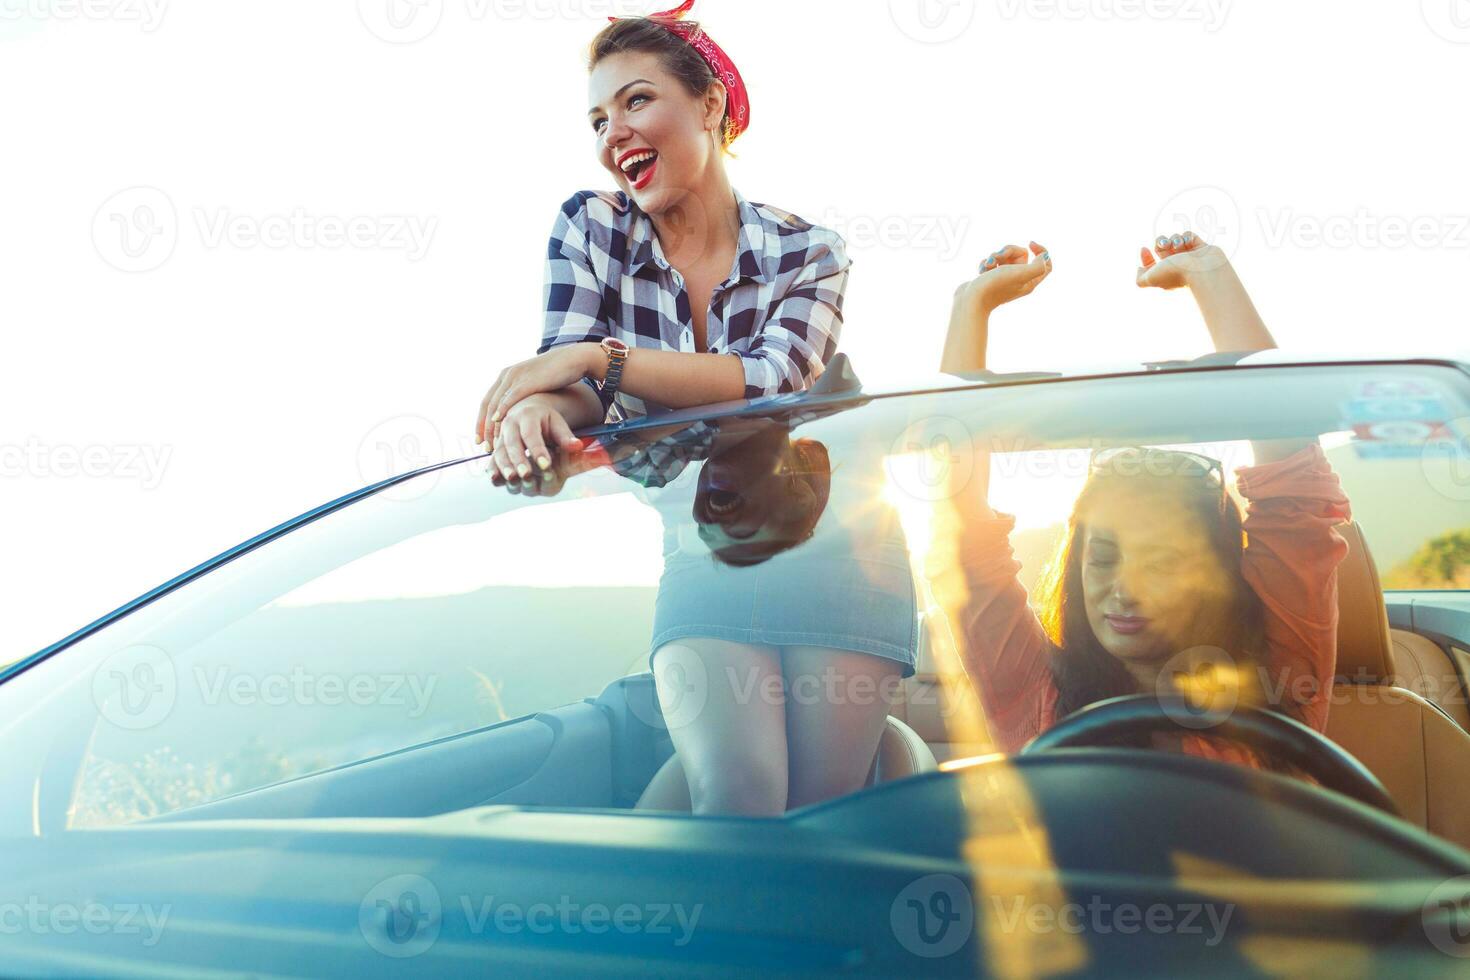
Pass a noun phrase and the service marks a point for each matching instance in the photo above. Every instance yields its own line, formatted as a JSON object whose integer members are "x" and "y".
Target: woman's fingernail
{"x": 1177, "y": 241}
{"x": 1163, "y": 241}
{"x": 1046, "y": 256}
{"x": 1189, "y": 236}
{"x": 543, "y": 462}
{"x": 522, "y": 469}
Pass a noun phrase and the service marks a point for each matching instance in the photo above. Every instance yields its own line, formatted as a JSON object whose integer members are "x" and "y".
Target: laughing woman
{"x": 674, "y": 292}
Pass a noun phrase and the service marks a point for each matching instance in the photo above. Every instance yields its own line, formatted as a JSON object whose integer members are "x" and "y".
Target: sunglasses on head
{"x": 1146, "y": 460}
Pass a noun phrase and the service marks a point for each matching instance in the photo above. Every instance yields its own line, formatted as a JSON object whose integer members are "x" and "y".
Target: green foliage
{"x": 1440, "y": 563}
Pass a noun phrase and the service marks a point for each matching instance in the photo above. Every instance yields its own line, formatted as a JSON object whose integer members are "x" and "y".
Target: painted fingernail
{"x": 543, "y": 462}
{"x": 522, "y": 469}
{"x": 1177, "y": 241}
{"x": 1163, "y": 241}
{"x": 1189, "y": 236}
{"x": 1046, "y": 256}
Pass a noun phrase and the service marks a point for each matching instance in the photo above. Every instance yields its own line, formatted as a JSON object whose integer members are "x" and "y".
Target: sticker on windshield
{"x": 1400, "y": 419}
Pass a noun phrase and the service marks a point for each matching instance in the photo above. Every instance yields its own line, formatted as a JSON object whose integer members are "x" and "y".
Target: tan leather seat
{"x": 1412, "y": 746}
{"x": 901, "y": 752}
{"x": 1423, "y": 666}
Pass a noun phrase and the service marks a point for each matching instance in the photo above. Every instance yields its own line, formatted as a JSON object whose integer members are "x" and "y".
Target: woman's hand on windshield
{"x": 527, "y": 436}
{"x": 551, "y": 371}
{"x": 548, "y": 483}
{"x": 1180, "y": 261}
{"x": 1006, "y": 274}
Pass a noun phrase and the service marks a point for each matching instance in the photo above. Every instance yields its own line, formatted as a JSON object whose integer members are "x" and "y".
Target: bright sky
{"x": 349, "y": 203}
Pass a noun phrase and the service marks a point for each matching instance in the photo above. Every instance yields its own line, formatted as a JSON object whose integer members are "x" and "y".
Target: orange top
{"x": 1290, "y": 560}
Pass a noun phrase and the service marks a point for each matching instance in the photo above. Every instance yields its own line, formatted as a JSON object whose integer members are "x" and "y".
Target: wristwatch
{"x": 617, "y": 353}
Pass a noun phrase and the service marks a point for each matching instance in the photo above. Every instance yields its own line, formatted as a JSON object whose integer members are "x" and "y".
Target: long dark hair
{"x": 1083, "y": 670}
{"x": 677, "y": 56}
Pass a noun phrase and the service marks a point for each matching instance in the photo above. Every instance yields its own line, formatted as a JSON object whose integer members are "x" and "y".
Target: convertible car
{"x": 414, "y": 730}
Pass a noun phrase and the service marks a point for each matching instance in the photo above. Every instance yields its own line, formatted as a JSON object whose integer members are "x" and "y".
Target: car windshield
{"x": 450, "y": 603}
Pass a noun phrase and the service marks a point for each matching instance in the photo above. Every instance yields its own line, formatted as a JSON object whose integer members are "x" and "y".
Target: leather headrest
{"x": 1364, "y": 648}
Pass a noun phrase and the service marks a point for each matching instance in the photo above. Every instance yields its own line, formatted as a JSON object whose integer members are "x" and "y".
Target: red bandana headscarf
{"x": 718, "y": 61}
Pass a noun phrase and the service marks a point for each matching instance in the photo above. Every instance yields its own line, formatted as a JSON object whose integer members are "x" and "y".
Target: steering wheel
{"x": 1265, "y": 732}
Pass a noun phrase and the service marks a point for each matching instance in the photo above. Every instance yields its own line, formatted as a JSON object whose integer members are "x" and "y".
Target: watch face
{"x": 614, "y": 346}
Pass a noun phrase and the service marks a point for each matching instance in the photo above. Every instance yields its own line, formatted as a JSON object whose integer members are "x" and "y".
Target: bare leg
{"x": 836, "y": 706}
{"x": 725, "y": 708}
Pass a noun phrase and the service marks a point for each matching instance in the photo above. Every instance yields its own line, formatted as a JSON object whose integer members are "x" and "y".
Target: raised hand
{"x": 1008, "y": 274}
{"x": 1181, "y": 259}
{"x": 1005, "y": 275}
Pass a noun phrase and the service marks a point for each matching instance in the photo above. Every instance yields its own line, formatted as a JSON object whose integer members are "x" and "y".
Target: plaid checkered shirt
{"x": 780, "y": 311}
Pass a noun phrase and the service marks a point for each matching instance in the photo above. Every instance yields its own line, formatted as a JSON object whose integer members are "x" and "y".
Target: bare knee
{"x": 749, "y": 785}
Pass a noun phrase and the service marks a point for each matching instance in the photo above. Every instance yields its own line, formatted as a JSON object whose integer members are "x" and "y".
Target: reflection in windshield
{"x": 392, "y": 623}
{"x": 785, "y": 618}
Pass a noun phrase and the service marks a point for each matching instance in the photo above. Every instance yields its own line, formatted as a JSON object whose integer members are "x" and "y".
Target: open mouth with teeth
{"x": 723, "y": 503}
{"x": 639, "y": 167}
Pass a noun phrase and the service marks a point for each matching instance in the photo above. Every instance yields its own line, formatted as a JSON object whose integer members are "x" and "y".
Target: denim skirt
{"x": 841, "y": 591}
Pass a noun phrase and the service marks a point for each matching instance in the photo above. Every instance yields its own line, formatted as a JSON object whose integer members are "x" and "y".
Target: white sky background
{"x": 260, "y": 377}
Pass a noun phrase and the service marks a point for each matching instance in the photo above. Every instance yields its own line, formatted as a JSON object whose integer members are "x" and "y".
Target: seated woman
{"x": 780, "y": 638}
{"x": 1156, "y": 568}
